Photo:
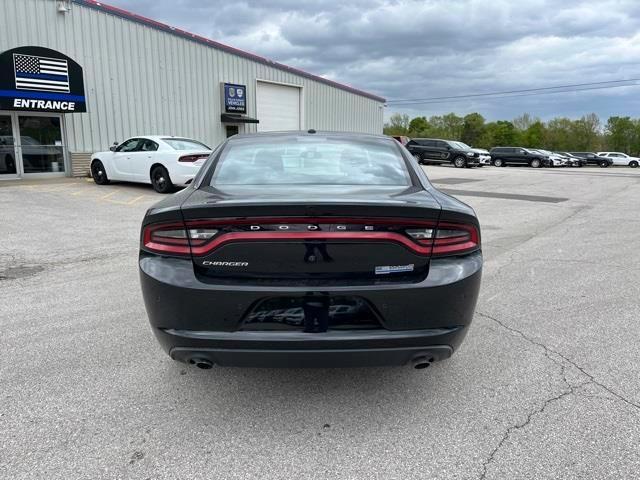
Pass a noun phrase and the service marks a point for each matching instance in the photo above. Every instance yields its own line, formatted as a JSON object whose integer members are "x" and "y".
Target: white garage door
{"x": 278, "y": 107}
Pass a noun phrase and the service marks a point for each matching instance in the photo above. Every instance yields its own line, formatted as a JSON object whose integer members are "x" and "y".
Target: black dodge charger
{"x": 303, "y": 249}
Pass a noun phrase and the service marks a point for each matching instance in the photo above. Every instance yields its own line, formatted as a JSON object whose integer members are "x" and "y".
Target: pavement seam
{"x": 566, "y": 359}
{"x": 548, "y": 352}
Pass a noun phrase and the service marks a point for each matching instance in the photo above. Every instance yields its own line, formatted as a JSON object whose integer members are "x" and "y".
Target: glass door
{"x": 40, "y": 144}
{"x": 8, "y": 153}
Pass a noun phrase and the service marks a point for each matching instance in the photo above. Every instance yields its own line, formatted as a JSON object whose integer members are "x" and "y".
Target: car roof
{"x": 311, "y": 133}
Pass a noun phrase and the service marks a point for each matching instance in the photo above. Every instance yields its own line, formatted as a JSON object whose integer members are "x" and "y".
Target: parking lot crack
{"x": 548, "y": 351}
{"x": 571, "y": 388}
{"x": 520, "y": 425}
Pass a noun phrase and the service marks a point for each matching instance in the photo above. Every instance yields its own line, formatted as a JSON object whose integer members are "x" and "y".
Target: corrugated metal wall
{"x": 140, "y": 80}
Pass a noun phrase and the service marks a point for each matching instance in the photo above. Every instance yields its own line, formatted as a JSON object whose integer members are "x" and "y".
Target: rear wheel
{"x": 603, "y": 164}
{"x": 160, "y": 180}
{"x": 460, "y": 162}
{"x": 498, "y": 162}
{"x": 535, "y": 163}
{"x": 633, "y": 164}
{"x": 98, "y": 173}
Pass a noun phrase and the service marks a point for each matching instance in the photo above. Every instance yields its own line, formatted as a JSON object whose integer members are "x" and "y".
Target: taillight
{"x": 448, "y": 238}
{"x": 191, "y": 158}
{"x": 455, "y": 239}
{"x": 174, "y": 238}
{"x": 201, "y": 237}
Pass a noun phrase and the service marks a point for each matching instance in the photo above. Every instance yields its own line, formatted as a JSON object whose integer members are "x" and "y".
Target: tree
{"x": 419, "y": 127}
{"x": 472, "y": 128}
{"x": 586, "y": 133}
{"x": 524, "y": 121}
{"x": 534, "y": 136}
{"x": 398, "y": 124}
{"x": 621, "y": 134}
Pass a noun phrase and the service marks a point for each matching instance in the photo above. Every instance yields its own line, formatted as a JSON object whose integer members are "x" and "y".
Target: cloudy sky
{"x": 405, "y": 49}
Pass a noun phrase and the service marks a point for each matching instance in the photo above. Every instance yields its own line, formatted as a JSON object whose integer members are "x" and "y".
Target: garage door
{"x": 278, "y": 107}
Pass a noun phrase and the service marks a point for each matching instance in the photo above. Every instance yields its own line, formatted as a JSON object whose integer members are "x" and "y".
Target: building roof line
{"x": 134, "y": 17}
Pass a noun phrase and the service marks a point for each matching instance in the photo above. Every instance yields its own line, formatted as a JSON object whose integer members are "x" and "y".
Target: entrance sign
{"x": 42, "y": 80}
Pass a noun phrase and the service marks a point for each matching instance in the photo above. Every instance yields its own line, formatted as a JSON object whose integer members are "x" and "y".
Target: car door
{"x": 427, "y": 150}
{"x": 121, "y": 159}
{"x": 442, "y": 151}
{"x": 520, "y": 156}
{"x": 618, "y": 158}
{"x": 141, "y": 159}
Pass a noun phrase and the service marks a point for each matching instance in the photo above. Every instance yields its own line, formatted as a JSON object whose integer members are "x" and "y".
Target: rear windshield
{"x": 305, "y": 160}
{"x": 185, "y": 144}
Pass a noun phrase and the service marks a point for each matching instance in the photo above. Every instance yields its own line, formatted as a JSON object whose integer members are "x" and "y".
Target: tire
{"x": 535, "y": 163}
{"x": 480, "y": 165}
{"x": 10, "y": 164}
{"x": 498, "y": 162}
{"x": 160, "y": 180}
{"x": 633, "y": 164}
{"x": 603, "y": 164}
{"x": 460, "y": 162}
{"x": 99, "y": 173}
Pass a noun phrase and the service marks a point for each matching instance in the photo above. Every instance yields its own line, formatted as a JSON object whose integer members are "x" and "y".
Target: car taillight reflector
{"x": 175, "y": 238}
{"x": 455, "y": 239}
{"x": 166, "y": 238}
{"x": 191, "y": 158}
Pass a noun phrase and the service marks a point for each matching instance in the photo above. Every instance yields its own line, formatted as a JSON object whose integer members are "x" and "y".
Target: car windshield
{"x": 185, "y": 144}
{"x": 461, "y": 146}
{"x": 311, "y": 160}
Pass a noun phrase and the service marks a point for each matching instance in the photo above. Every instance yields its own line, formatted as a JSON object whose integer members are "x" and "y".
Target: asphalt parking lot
{"x": 545, "y": 385}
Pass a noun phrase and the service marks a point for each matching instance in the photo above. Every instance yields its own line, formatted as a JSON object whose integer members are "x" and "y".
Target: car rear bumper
{"x": 194, "y": 318}
{"x": 301, "y": 350}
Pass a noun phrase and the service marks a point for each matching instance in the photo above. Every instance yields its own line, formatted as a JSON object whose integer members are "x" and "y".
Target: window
{"x": 185, "y": 144}
{"x": 427, "y": 143}
{"x": 130, "y": 145}
{"x": 440, "y": 144}
{"x": 148, "y": 145}
{"x": 301, "y": 160}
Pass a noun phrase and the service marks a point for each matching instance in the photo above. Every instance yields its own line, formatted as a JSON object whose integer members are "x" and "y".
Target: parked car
{"x": 555, "y": 160}
{"x": 574, "y": 160}
{"x": 593, "y": 159}
{"x": 437, "y": 151}
{"x": 622, "y": 159}
{"x": 503, "y": 156}
{"x": 402, "y": 139}
{"x": 484, "y": 158}
{"x": 288, "y": 220}
{"x": 161, "y": 160}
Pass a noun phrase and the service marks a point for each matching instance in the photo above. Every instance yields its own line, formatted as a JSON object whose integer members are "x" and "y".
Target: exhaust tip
{"x": 201, "y": 363}
{"x": 420, "y": 363}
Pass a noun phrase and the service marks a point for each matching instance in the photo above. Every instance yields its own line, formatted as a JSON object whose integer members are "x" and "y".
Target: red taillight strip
{"x": 439, "y": 246}
{"x": 288, "y": 236}
{"x": 176, "y": 246}
{"x": 459, "y": 244}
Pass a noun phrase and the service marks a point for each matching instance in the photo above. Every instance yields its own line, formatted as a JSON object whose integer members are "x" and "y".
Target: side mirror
{"x": 113, "y": 148}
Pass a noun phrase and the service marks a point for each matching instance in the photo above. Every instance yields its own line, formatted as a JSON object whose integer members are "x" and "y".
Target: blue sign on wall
{"x": 235, "y": 98}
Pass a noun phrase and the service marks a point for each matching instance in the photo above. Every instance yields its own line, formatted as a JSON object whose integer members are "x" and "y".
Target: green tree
{"x": 586, "y": 134}
{"x": 621, "y": 134}
{"x": 419, "y": 127}
{"x": 398, "y": 124}
{"x": 472, "y": 128}
{"x": 534, "y": 136}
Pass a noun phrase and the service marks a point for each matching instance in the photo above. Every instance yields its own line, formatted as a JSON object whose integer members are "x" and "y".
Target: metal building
{"x": 78, "y": 75}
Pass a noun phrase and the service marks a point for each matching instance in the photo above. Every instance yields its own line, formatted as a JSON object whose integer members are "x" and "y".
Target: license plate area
{"x": 311, "y": 314}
